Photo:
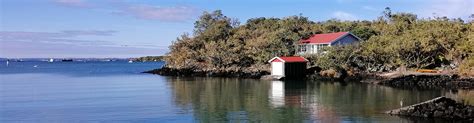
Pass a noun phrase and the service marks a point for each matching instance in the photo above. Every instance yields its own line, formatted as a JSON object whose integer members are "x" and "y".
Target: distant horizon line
{"x": 72, "y": 57}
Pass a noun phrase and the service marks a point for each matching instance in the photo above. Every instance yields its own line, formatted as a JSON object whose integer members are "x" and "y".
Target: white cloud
{"x": 449, "y": 8}
{"x": 63, "y": 37}
{"x": 70, "y": 37}
{"x": 370, "y": 8}
{"x": 344, "y": 15}
{"x": 343, "y": 1}
{"x": 177, "y": 13}
{"x": 170, "y": 14}
{"x": 72, "y": 3}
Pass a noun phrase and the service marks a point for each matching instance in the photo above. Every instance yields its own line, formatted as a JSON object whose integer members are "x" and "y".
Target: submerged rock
{"x": 441, "y": 107}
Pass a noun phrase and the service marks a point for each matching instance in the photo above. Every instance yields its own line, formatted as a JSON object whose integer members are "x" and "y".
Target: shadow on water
{"x": 230, "y": 99}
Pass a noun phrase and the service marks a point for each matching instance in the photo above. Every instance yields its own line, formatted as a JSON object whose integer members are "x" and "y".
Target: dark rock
{"x": 313, "y": 70}
{"x": 438, "y": 113}
{"x": 166, "y": 71}
{"x": 440, "y": 107}
{"x": 429, "y": 82}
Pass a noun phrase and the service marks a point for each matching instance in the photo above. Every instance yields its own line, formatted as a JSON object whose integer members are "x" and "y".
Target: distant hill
{"x": 60, "y": 59}
{"x": 149, "y": 58}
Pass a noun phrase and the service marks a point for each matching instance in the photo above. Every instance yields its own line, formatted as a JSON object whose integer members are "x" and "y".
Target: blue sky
{"x": 131, "y": 28}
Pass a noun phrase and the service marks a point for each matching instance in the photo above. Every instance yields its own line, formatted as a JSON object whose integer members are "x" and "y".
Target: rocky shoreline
{"x": 166, "y": 71}
{"x": 429, "y": 82}
{"x": 419, "y": 81}
{"x": 441, "y": 107}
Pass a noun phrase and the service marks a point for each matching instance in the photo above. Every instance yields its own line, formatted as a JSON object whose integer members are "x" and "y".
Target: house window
{"x": 317, "y": 48}
{"x": 323, "y": 45}
{"x": 303, "y": 48}
{"x": 311, "y": 48}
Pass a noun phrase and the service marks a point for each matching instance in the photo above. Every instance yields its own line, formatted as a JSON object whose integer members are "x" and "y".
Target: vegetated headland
{"x": 394, "y": 43}
{"x": 149, "y": 58}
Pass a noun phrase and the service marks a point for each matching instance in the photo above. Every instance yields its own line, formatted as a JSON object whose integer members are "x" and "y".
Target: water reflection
{"x": 228, "y": 99}
{"x": 464, "y": 96}
{"x": 278, "y": 94}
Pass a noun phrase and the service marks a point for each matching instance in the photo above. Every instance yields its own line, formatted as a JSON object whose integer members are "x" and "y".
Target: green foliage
{"x": 467, "y": 67}
{"x": 466, "y": 48}
{"x": 336, "y": 57}
{"x": 393, "y": 40}
{"x": 220, "y": 42}
{"x": 364, "y": 32}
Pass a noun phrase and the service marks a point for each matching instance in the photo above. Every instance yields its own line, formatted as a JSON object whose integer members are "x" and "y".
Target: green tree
{"x": 392, "y": 40}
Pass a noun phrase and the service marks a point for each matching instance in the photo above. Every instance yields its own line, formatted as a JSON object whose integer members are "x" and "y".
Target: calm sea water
{"x": 118, "y": 92}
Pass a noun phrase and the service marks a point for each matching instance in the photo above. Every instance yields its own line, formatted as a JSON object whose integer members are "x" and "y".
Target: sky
{"x": 133, "y": 28}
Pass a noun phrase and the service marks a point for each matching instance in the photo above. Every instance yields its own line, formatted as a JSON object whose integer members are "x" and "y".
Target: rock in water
{"x": 429, "y": 82}
{"x": 441, "y": 107}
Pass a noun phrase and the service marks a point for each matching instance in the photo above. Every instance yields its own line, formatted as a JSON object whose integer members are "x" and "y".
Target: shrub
{"x": 467, "y": 67}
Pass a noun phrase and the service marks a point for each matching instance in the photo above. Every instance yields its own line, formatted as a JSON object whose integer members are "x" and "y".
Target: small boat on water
{"x": 67, "y": 60}
{"x": 106, "y": 60}
{"x": 8, "y": 62}
{"x": 130, "y": 61}
{"x": 51, "y": 60}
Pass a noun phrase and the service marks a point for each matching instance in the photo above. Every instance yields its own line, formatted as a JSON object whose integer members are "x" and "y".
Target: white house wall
{"x": 278, "y": 68}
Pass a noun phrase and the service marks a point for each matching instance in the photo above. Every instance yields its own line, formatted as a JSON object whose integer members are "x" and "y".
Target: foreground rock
{"x": 166, "y": 71}
{"x": 429, "y": 82}
{"x": 440, "y": 107}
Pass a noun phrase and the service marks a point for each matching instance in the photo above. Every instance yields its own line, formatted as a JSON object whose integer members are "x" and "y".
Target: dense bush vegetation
{"x": 467, "y": 67}
{"x": 404, "y": 40}
{"x": 391, "y": 41}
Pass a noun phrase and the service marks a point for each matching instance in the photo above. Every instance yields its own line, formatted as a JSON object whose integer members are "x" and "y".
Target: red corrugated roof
{"x": 277, "y": 60}
{"x": 289, "y": 59}
{"x": 324, "y": 38}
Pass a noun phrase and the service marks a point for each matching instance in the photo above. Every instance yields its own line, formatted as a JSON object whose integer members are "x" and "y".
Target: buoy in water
{"x": 401, "y": 103}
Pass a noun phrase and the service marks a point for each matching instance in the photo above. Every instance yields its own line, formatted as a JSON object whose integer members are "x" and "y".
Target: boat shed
{"x": 288, "y": 67}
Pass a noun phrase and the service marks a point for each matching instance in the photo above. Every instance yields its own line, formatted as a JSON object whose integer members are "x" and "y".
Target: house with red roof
{"x": 316, "y": 42}
{"x": 289, "y": 67}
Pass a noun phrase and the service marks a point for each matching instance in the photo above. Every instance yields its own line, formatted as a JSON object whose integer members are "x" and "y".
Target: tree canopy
{"x": 392, "y": 40}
